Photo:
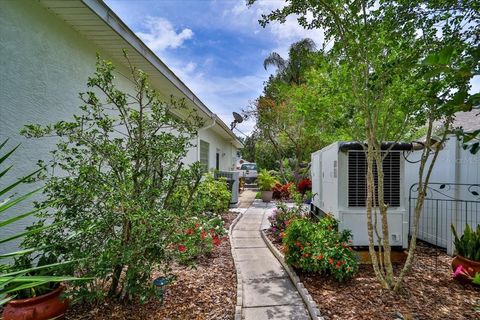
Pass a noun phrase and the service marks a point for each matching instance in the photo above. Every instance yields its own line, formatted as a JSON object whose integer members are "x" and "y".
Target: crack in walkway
{"x": 268, "y": 292}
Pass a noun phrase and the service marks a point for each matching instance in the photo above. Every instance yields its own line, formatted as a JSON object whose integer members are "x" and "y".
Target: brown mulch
{"x": 429, "y": 292}
{"x": 207, "y": 291}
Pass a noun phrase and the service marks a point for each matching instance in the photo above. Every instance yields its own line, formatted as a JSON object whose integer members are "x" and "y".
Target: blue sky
{"x": 216, "y": 47}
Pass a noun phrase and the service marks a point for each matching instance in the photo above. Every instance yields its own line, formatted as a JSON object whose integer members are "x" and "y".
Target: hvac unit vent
{"x": 357, "y": 183}
{"x": 233, "y": 183}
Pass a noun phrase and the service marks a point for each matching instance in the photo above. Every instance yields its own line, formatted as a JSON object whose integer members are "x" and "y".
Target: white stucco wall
{"x": 44, "y": 64}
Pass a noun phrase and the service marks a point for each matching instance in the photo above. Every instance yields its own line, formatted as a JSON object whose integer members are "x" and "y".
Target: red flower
{"x": 181, "y": 248}
{"x": 330, "y": 260}
{"x": 216, "y": 240}
{"x": 189, "y": 231}
{"x": 197, "y": 225}
{"x": 304, "y": 186}
{"x": 203, "y": 234}
{"x": 339, "y": 264}
{"x": 319, "y": 257}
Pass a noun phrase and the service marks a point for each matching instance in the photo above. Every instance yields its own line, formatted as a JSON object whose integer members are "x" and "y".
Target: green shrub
{"x": 112, "y": 205}
{"x": 320, "y": 247}
{"x": 212, "y": 195}
{"x": 281, "y": 217}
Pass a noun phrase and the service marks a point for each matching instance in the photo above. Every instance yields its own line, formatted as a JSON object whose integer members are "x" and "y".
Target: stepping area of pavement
{"x": 268, "y": 292}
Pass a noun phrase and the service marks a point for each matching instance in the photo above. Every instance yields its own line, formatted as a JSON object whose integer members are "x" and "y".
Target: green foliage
{"x": 282, "y": 216}
{"x": 117, "y": 167}
{"x": 468, "y": 245}
{"x": 319, "y": 247}
{"x": 23, "y": 281}
{"x": 212, "y": 196}
{"x": 265, "y": 180}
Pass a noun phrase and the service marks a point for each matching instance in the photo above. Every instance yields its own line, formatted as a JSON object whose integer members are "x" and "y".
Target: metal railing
{"x": 445, "y": 204}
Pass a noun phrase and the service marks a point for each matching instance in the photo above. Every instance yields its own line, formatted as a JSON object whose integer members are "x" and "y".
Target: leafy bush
{"x": 265, "y": 180}
{"x": 212, "y": 195}
{"x": 320, "y": 247}
{"x": 282, "y": 191}
{"x": 121, "y": 164}
{"x": 468, "y": 245}
{"x": 282, "y": 216}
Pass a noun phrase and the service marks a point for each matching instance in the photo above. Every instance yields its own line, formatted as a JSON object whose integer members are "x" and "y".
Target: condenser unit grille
{"x": 357, "y": 179}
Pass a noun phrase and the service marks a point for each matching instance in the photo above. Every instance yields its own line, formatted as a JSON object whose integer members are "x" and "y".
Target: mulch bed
{"x": 207, "y": 291}
{"x": 429, "y": 292}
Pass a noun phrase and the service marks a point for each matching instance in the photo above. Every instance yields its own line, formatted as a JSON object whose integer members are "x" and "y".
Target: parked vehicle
{"x": 249, "y": 172}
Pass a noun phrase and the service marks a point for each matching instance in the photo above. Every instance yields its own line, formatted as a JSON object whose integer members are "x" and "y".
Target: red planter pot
{"x": 43, "y": 307}
{"x": 472, "y": 267}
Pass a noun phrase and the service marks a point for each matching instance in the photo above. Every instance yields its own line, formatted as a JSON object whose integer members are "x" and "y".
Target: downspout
{"x": 455, "y": 216}
{"x": 214, "y": 122}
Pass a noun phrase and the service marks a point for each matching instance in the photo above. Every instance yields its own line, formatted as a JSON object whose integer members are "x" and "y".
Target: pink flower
{"x": 460, "y": 271}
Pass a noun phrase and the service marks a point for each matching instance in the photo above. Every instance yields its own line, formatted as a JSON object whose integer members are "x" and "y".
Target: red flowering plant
{"x": 304, "y": 185}
{"x": 320, "y": 247}
{"x": 282, "y": 191}
{"x": 198, "y": 237}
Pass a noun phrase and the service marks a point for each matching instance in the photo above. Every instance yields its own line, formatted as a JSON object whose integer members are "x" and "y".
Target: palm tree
{"x": 290, "y": 70}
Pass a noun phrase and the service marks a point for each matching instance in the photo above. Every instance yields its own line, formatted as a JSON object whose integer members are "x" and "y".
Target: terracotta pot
{"x": 43, "y": 307}
{"x": 267, "y": 196}
{"x": 470, "y": 266}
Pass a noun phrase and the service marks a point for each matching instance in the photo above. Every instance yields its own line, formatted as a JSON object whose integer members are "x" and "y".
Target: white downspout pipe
{"x": 214, "y": 122}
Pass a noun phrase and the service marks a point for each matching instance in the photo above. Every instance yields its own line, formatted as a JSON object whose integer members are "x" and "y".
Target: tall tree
{"x": 376, "y": 74}
{"x": 291, "y": 70}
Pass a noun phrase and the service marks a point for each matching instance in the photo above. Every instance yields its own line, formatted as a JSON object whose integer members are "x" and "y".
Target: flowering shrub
{"x": 282, "y": 216}
{"x": 282, "y": 191}
{"x": 304, "y": 186}
{"x": 320, "y": 247}
{"x": 198, "y": 238}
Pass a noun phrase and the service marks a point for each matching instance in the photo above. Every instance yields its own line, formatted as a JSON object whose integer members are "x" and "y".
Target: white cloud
{"x": 246, "y": 18}
{"x": 161, "y": 34}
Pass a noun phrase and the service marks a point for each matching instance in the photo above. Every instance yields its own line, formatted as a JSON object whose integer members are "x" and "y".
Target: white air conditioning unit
{"x": 233, "y": 180}
{"x": 339, "y": 188}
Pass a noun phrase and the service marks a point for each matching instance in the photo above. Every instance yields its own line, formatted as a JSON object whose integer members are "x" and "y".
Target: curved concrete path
{"x": 268, "y": 292}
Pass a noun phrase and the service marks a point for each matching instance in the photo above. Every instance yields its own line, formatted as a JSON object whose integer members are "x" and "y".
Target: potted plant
{"x": 28, "y": 292}
{"x": 266, "y": 182}
{"x": 467, "y": 259}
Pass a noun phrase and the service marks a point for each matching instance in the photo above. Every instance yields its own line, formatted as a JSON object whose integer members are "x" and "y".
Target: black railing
{"x": 445, "y": 204}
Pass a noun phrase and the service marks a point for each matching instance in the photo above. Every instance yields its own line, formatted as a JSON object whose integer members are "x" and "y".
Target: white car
{"x": 249, "y": 171}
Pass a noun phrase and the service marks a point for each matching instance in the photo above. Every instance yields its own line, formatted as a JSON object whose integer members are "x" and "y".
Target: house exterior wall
{"x": 44, "y": 64}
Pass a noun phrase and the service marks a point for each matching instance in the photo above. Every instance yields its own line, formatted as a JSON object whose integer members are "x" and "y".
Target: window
{"x": 357, "y": 179}
{"x": 204, "y": 154}
{"x": 248, "y": 166}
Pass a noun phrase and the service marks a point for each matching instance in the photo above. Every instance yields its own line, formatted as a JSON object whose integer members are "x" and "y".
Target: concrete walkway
{"x": 268, "y": 292}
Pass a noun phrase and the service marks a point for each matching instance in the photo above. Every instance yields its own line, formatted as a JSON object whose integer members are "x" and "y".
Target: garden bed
{"x": 429, "y": 293}
{"x": 207, "y": 291}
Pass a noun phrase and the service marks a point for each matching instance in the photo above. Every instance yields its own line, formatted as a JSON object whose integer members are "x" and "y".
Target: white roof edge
{"x": 104, "y": 12}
